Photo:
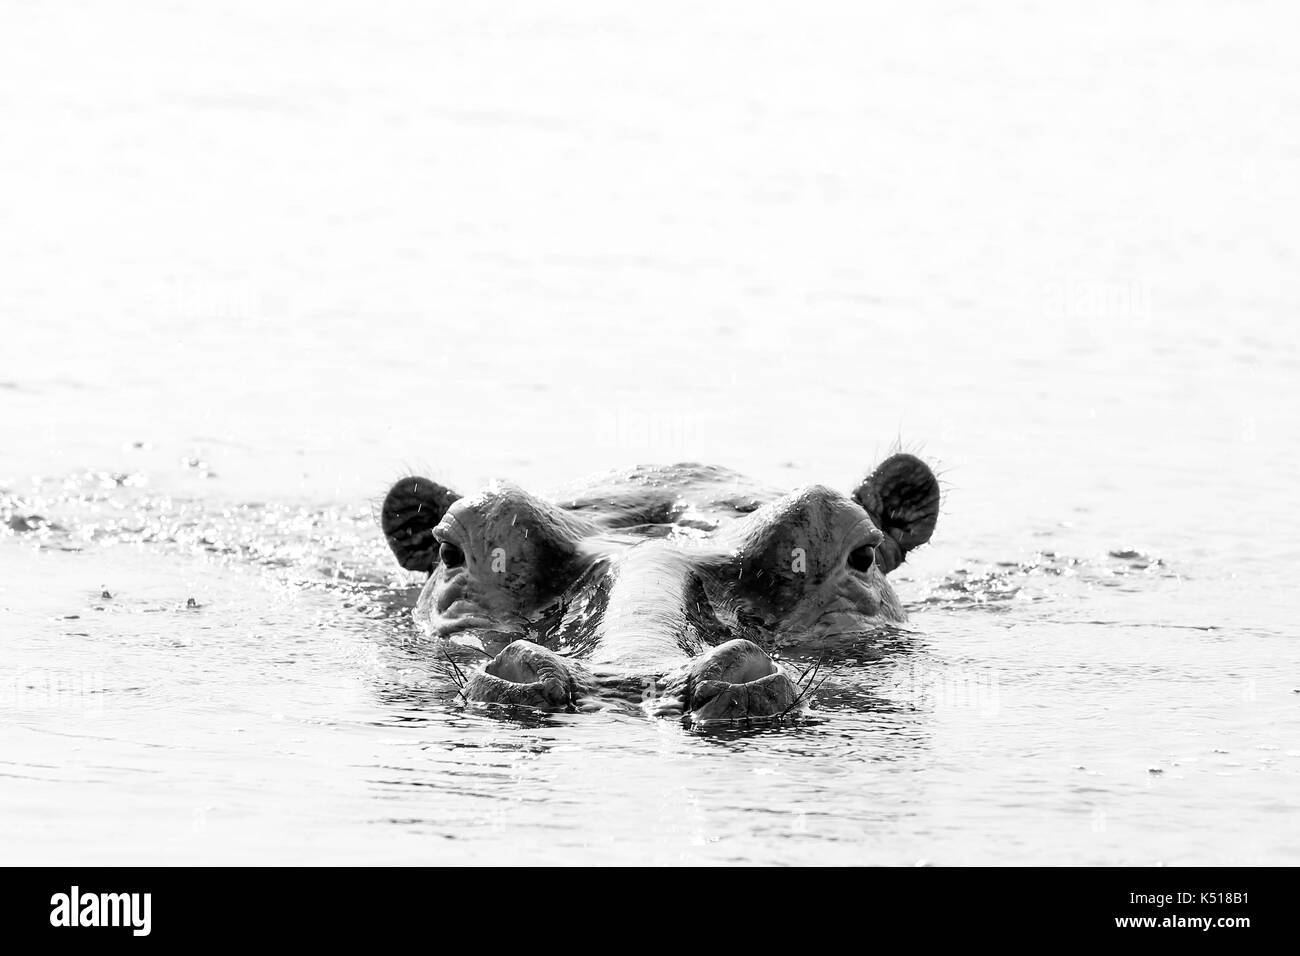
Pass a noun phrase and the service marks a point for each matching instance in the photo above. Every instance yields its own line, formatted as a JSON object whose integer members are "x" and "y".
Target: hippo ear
{"x": 412, "y": 509}
{"x": 902, "y": 498}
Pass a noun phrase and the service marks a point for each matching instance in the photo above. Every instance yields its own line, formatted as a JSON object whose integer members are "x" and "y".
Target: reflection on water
{"x": 244, "y": 291}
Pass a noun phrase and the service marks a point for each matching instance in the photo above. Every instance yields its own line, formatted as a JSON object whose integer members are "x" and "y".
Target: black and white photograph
{"x": 649, "y": 435}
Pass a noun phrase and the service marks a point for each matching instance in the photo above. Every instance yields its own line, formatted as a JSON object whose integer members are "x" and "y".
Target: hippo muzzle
{"x": 738, "y": 681}
{"x": 525, "y": 674}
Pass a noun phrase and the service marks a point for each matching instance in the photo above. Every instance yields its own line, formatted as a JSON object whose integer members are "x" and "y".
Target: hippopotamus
{"x": 684, "y": 588}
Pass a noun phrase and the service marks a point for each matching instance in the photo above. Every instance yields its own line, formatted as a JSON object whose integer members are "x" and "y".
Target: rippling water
{"x": 261, "y": 261}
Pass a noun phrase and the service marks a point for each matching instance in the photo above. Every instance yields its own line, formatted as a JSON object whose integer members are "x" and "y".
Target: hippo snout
{"x": 526, "y": 674}
{"x": 737, "y": 680}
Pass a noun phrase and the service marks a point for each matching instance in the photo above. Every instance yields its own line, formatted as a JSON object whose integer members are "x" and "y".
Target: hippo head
{"x": 496, "y": 561}
{"x": 648, "y": 592}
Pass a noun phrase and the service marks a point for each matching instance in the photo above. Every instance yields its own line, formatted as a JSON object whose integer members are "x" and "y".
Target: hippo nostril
{"x": 526, "y": 674}
{"x": 736, "y": 680}
{"x": 548, "y": 692}
{"x": 861, "y": 559}
{"x": 450, "y": 555}
{"x": 704, "y": 691}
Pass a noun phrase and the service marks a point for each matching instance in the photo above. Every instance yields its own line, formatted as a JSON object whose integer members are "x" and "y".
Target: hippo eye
{"x": 861, "y": 559}
{"x": 450, "y": 555}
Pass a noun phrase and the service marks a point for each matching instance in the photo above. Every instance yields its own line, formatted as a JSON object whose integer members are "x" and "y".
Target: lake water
{"x": 260, "y": 260}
